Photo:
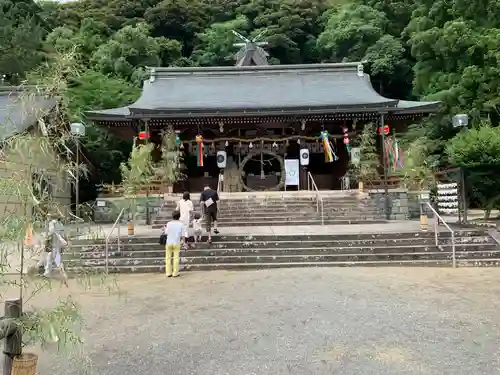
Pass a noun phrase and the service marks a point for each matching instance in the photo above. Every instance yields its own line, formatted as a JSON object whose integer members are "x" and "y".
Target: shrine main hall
{"x": 258, "y": 123}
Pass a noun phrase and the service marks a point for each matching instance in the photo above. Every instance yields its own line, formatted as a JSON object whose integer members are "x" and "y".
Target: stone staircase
{"x": 144, "y": 254}
{"x": 243, "y": 209}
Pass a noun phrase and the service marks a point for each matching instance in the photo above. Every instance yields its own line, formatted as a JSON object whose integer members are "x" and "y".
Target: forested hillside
{"x": 444, "y": 50}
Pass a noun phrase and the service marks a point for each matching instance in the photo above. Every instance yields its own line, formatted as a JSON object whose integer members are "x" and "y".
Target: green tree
{"x": 21, "y": 32}
{"x": 215, "y": 44}
{"x": 137, "y": 173}
{"x": 169, "y": 167}
{"x": 418, "y": 169}
{"x": 478, "y": 152}
{"x": 291, "y": 27}
{"x": 369, "y": 157}
{"x": 93, "y": 90}
{"x": 84, "y": 41}
{"x": 180, "y": 20}
{"x": 131, "y": 49}
{"x": 350, "y": 31}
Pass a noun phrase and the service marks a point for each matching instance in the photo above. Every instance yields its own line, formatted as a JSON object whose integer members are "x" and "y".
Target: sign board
{"x": 292, "y": 170}
{"x": 355, "y": 155}
{"x": 101, "y": 203}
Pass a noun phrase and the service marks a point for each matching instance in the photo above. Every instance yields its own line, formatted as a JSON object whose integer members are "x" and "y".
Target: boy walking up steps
{"x": 197, "y": 227}
{"x": 175, "y": 237}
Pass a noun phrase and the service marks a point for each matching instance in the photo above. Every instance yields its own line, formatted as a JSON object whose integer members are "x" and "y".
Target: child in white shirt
{"x": 197, "y": 227}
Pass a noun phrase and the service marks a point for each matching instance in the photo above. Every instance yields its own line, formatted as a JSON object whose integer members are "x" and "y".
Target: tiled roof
{"x": 271, "y": 89}
{"x": 17, "y": 112}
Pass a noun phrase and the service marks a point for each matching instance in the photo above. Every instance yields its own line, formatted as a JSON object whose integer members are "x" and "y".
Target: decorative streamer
{"x": 330, "y": 156}
{"x": 393, "y": 154}
{"x": 199, "y": 150}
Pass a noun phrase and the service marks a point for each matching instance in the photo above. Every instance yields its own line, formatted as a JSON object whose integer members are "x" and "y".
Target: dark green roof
{"x": 259, "y": 90}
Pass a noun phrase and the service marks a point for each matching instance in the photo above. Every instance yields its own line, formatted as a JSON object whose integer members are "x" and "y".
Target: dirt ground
{"x": 287, "y": 321}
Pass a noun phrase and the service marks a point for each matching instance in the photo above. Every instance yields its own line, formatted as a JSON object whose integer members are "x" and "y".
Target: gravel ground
{"x": 355, "y": 321}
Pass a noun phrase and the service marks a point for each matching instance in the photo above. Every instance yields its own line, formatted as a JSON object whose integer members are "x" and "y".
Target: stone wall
{"x": 403, "y": 204}
{"x": 107, "y": 209}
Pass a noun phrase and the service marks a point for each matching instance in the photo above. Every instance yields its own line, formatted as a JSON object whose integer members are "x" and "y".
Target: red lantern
{"x": 386, "y": 130}
{"x": 144, "y": 135}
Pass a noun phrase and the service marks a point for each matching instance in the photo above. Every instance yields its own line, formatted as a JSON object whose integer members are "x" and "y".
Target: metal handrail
{"x": 319, "y": 199}
{"x": 106, "y": 241}
{"x": 437, "y": 219}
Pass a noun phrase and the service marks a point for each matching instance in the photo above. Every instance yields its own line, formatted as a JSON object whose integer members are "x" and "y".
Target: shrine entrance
{"x": 264, "y": 170}
{"x": 259, "y": 165}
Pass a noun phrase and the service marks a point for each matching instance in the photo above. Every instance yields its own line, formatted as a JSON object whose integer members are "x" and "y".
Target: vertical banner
{"x": 292, "y": 172}
{"x": 355, "y": 155}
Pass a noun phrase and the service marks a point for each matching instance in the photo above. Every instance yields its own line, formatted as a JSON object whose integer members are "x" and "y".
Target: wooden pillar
{"x": 13, "y": 335}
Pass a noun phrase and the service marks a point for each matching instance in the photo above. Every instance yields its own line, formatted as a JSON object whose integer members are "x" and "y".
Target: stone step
{"x": 152, "y": 243}
{"x": 157, "y": 251}
{"x": 282, "y": 218}
{"x": 160, "y": 268}
{"x": 275, "y": 222}
{"x": 267, "y": 213}
{"x": 277, "y": 200}
{"x": 220, "y": 238}
{"x": 254, "y": 206}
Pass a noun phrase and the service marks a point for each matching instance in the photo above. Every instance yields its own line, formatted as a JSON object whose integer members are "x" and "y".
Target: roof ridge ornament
{"x": 360, "y": 70}
{"x": 251, "y": 51}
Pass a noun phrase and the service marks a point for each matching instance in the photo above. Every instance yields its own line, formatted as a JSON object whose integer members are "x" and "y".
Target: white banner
{"x": 355, "y": 155}
{"x": 292, "y": 172}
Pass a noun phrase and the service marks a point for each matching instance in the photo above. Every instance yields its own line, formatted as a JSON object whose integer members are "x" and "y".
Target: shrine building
{"x": 253, "y": 121}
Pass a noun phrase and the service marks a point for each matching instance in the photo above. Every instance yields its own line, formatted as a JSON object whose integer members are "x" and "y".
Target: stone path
{"x": 361, "y": 321}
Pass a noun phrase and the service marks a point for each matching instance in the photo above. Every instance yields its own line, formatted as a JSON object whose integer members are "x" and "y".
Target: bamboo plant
{"x": 369, "y": 161}
{"x": 137, "y": 173}
{"x": 418, "y": 171}
{"x": 169, "y": 168}
{"x": 37, "y": 170}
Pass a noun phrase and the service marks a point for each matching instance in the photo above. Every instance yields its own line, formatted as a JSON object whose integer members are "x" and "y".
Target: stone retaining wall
{"x": 106, "y": 210}
{"x": 403, "y": 204}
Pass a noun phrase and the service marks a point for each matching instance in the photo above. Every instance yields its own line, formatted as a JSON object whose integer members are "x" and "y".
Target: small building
{"x": 253, "y": 121}
{"x": 29, "y": 167}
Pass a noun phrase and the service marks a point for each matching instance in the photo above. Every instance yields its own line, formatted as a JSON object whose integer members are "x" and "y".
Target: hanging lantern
{"x": 250, "y": 145}
{"x": 226, "y": 144}
{"x": 199, "y": 150}
{"x": 298, "y": 141}
{"x": 346, "y": 139}
{"x": 181, "y": 146}
{"x": 177, "y": 140}
{"x": 143, "y": 135}
{"x": 386, "y": 129}
{"x": 275, "y": 145}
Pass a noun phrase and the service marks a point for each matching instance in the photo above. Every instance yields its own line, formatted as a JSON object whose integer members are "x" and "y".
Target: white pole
{"x": 77, "y": 187}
